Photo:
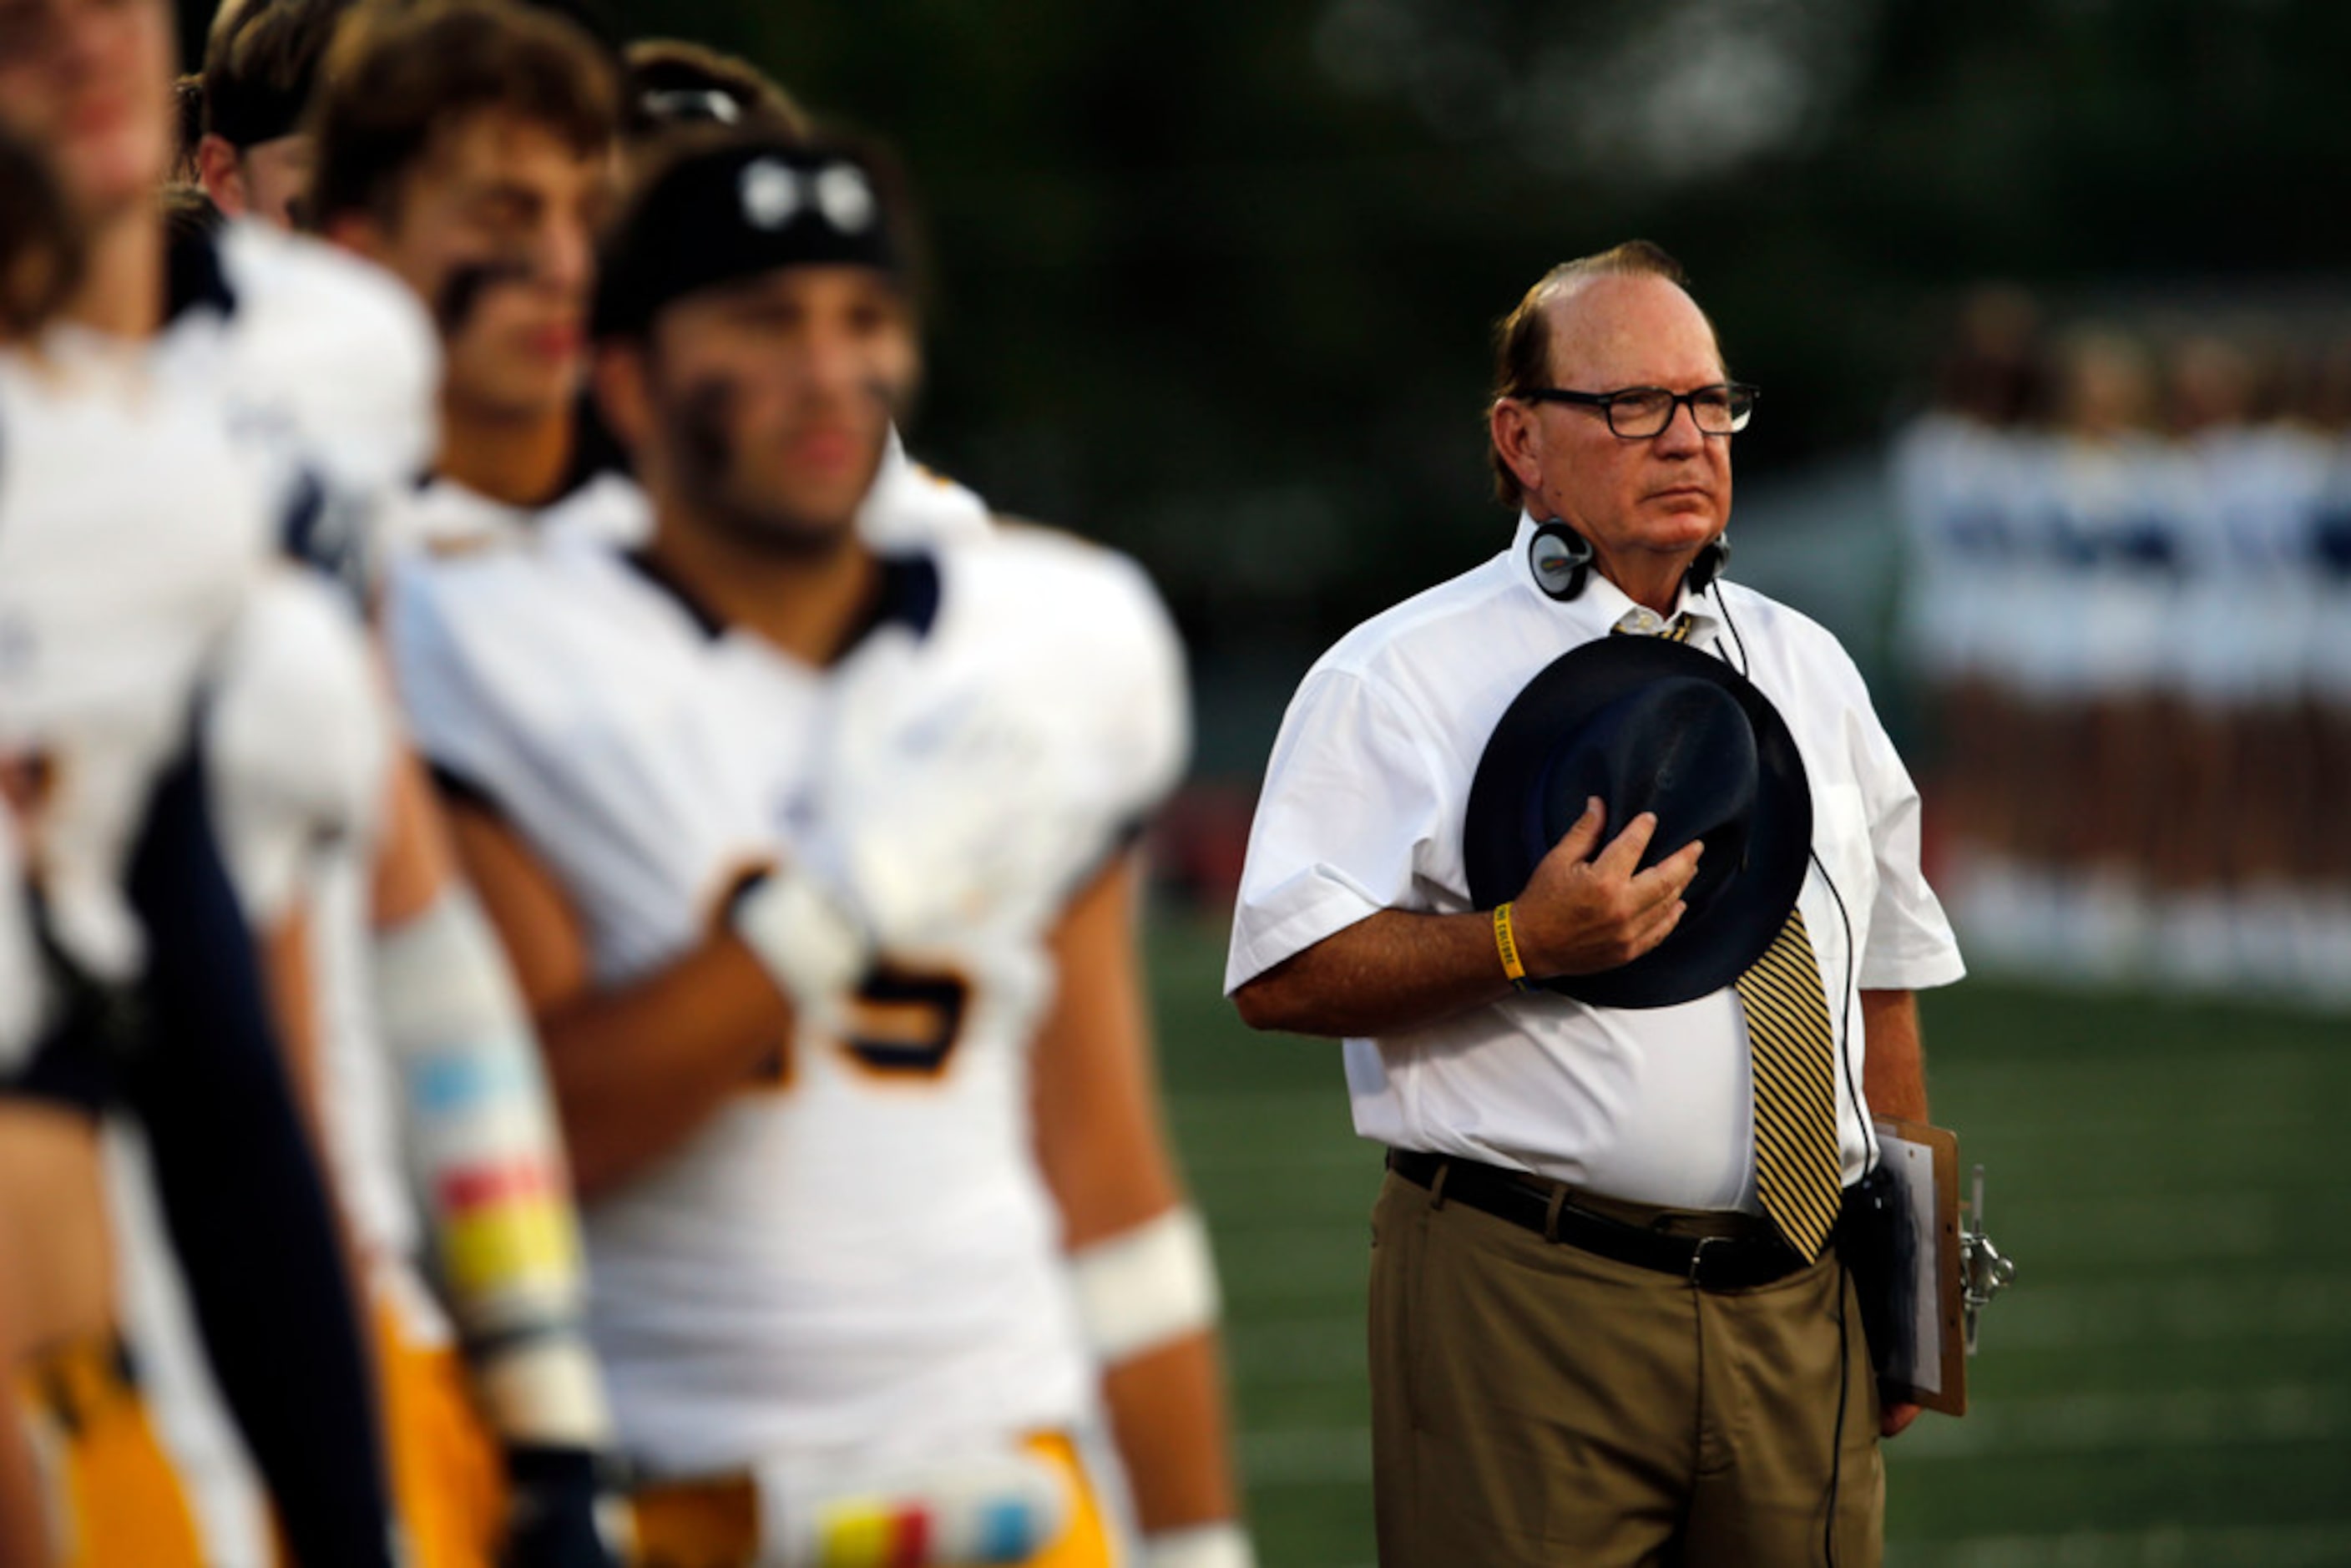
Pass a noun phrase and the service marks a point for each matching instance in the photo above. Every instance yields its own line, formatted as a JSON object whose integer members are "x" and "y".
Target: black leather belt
{"x": 1708, "y": 1262}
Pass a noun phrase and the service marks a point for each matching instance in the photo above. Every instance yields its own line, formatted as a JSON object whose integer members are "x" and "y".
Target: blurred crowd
{"x": 2130, "y": 600}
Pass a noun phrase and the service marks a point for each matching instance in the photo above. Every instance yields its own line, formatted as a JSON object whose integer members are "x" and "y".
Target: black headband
{"x": 689, "y": 106}
{"x": 735, "y": 212}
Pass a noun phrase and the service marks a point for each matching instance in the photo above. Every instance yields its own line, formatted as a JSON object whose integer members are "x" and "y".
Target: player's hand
{"x": 947, "y": 824}
{"x": 1895, "y": 1419}
{"x": 562, "y": 1511}
{"x": 1582, "y": 913}
{"x": 810, "y": 939}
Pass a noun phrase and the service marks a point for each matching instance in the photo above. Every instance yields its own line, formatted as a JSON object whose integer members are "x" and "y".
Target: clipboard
{"x": 1927, "y": 1361}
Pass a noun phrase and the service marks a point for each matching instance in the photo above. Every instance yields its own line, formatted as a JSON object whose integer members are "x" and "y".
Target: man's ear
{"x": 357, "y": 231}
{"x": 1519, "y": 438}
{"x": 623, "y": 397}
{"x": 222, "y": 173}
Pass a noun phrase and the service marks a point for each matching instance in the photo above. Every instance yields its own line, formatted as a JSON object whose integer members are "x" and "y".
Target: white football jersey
{"x": 856, "y": 1258}
{"x": 128, "y": 540}
{"x": 324, "y": 365}
{"x": 324, "y": 373}
{"x": 911, "y": 506}
{"x": 131, "y": 536}
{"x": 300, "y": 745}
{"x": 327, "y": 370}
{"x": 441, "y": 516}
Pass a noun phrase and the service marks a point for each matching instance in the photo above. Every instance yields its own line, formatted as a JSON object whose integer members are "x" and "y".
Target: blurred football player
{"x": 261, "y": 61}
{"x": 467, "y": 148}
{"x": 810, "y": 860}
{"x": 323, "y": 372}
{"x": 676, "y": 89}
{"x": 129, "y": 536}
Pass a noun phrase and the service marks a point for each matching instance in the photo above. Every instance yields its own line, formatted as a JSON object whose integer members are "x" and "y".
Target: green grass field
{"x": 2170, "y": 1382}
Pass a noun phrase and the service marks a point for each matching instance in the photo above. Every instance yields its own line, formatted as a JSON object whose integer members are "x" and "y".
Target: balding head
{"x": 1608, "y": 333}
{"x": 1648, "y": 497}
{"x": 1554, "y": 318}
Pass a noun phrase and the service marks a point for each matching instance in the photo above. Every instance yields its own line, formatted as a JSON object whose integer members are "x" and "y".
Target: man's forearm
{"x": 1894, "y": 1072}
{"x": 637, "y": 1070}
{"x": 1168, "y": 1411}
{"x": 1395, "y": 970}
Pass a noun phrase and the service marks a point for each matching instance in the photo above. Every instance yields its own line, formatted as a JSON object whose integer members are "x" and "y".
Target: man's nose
{"x": 566, "y": 257}
{"x": 1681, "y": 436}
{"x": 840, "y": 361}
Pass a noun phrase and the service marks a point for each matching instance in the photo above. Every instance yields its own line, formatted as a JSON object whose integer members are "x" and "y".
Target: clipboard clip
{"x": 1984, "y": 1271}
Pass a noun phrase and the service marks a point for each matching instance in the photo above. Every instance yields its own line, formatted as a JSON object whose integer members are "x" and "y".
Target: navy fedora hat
{"x": 1650, "y": 725}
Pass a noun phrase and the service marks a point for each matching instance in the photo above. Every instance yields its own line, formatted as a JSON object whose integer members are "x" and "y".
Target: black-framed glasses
{"x": 1638, "y": 413}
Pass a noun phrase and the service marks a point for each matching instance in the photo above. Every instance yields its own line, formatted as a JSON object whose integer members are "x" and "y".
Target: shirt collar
{"x": 906, "y": 593}
{"x": 1603, "y": 607}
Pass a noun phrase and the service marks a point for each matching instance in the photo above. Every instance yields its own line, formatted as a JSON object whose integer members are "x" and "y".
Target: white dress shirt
{"x": 1361, "y": 811}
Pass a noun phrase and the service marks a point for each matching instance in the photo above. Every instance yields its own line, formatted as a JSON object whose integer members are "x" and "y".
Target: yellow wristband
{"x": 1506, "y": 942}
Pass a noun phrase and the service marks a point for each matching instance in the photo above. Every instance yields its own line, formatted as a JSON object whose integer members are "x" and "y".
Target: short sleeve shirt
{"x": 1361, "y": 811}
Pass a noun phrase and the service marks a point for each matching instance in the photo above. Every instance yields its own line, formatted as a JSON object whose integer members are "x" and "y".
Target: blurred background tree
{"x": 1213, "y": 282}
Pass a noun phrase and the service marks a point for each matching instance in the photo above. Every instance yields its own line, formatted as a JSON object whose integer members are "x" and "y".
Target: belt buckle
{"x": 1697, "y": 1258}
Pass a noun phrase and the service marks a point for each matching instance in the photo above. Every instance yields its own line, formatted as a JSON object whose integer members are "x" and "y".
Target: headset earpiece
{"x": 1712, "y": 558}
{"x": 1560, "y": 559}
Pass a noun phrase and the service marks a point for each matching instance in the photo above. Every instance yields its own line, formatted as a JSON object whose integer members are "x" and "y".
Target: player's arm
{"x": 23, "y": 1527}
{"x": 481, "y": 1140}
{"x": 1146, "y": 1285}
{"x": 638, "y": 1069}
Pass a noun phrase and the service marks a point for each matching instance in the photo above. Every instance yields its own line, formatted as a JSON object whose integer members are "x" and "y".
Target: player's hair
{"x": 40, "y": 242}
{"x": 673, "y": 82}
{"x": 187, "y": 124}
{"x": 1522, "y": 338}
{"x": 261, "y": 63}
{"x": 402, "y": 77}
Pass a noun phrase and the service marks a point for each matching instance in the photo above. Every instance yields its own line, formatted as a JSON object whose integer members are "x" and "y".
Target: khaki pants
{"x": 1534, "y": 1404}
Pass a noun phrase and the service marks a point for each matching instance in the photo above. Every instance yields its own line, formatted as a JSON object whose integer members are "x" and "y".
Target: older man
{"x": 1596, "y": 1337}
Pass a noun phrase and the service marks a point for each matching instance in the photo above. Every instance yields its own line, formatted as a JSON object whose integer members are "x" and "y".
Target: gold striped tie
{"x": 1799, "y": 1171}
{"x": 1799, "y": 1168}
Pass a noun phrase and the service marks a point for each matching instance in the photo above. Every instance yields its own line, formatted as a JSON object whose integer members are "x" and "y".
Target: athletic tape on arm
{"x": 1146, "y": 1287}
{"x": 1223, "y": 1544}
{"x": 807, "y": 939}
{"x": 484, "y": 1149}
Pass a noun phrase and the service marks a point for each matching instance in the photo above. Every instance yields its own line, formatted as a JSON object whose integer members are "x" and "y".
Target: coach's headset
{"x": 1561, "y": 561}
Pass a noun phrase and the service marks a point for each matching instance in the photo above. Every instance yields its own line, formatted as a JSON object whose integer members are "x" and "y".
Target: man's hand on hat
{"x": 1582, "y": 913}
